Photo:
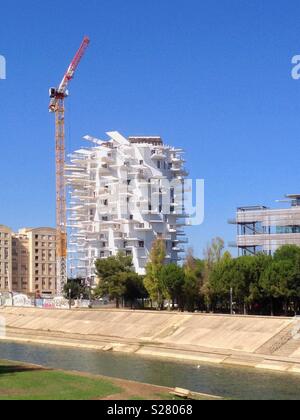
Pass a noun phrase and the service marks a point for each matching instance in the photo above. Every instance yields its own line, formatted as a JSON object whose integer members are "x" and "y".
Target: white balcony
{"x": 159, "y": 156}
{"x": 142, "y": 227}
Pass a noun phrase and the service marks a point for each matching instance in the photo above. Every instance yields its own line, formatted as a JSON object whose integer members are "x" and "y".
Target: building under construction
{"x": 124, "y": 194}
{"x": 261, "y": 229}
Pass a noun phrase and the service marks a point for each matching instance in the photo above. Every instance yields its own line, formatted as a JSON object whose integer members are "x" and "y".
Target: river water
{"x": 229, "y": 382}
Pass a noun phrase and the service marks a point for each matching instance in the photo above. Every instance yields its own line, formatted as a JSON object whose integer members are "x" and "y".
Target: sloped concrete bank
{"x": 258, "y": 342}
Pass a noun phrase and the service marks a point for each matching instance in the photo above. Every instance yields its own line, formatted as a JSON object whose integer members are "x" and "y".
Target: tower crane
{"x": 57, "y": 106}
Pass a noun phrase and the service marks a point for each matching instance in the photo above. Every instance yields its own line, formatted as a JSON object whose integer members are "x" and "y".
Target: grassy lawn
{"x": 24, "y": 383}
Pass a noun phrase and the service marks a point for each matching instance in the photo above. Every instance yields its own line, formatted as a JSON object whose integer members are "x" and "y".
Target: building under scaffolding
{"x": 124, "y": 194}
{"x": 261, "y": 229}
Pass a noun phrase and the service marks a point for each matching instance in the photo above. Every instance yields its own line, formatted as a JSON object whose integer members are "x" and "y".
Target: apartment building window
{"x": 158, "y": 164}
{"x": 172, "y": 194}
{"x": 141, "y": 244}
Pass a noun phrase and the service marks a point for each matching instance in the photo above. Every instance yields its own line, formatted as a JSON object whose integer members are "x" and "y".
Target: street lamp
{"x": 231, "y": 301}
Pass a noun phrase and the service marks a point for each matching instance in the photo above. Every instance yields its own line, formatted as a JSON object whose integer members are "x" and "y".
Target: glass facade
{"x": 287, "y": 229}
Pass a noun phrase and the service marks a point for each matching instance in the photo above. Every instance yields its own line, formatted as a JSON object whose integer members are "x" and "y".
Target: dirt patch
{"x": 131, "y": 389}
{"x": 138, "y": 390}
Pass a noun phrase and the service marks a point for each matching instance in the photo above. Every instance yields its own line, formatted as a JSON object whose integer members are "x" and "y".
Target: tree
{"x": 220, "y": 282}
{"x": 77, "y": 288}
{"x": 214, "y": 251}
{"x": 112, "y": 273}
{"x": 172, "y": 280}
{"x": 134, "y": 287}
{"x": 287, "y": 252}
{"x": 275, "y": 280}
{"x": 154, "y": 267}
{"x": 108, "y": 267}
{"x": 114, "y": 287}
{"x": 212, "y": 255}
{"x": 288, "y": 257}
{"x": 194, "y": 281}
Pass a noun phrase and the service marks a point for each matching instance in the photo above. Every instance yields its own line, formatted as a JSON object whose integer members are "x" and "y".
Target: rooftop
{"x": 252, "y": 208}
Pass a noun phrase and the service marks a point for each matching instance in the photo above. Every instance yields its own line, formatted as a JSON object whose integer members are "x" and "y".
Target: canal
{"x": 229, "y": 382}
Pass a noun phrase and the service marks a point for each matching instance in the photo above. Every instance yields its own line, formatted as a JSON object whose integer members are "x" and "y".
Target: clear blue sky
{"x": 211, "y": 76}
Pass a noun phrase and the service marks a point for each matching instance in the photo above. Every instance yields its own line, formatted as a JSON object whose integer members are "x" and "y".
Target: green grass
{"x": 21, "y": 383}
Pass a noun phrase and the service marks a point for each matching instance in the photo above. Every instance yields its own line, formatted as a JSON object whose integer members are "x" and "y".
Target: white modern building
{"x": 124, "y": 194}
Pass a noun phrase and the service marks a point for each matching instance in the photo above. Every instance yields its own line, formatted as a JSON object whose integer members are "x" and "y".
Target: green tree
{"x": 135, "y": 288}
{"x": 108, "y": 267}
{"x": 275, "y": 281}
{"x": 212, "y": 255}
{"x": 154, "y": 267}
{"x": 194, "y": 270}
{"x": 77, "y": 288}
{"x": 172, "y": 280}
{"x": 287, "y": 252}
{"x": 220, "y": 282}
{"x": 112, "y": 273}
{"x": 289, "y": 256}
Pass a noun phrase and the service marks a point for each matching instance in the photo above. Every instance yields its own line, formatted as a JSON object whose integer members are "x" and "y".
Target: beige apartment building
{"x": 28, "y": 261}
{"x": 5, "y": 258}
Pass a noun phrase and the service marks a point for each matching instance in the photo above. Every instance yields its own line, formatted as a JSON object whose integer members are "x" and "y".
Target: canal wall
{"x": 260, "y": 342}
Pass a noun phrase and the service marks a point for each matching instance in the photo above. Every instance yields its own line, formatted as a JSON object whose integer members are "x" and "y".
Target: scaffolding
{"x": 261, "y": 229}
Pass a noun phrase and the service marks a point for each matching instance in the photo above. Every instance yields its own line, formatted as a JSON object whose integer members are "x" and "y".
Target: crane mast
{"x": 57, "y": 106}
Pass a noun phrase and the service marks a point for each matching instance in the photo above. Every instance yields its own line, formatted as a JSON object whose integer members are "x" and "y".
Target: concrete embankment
{"x": 260, "y": 342}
